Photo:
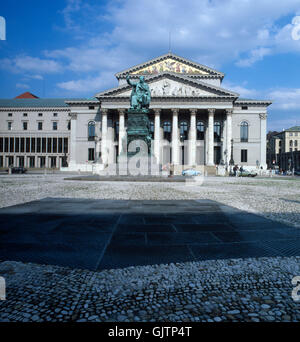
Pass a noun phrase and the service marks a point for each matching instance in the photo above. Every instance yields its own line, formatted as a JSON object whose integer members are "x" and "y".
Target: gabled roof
{"x": 176, "y": 77}
{"x": 205, "y": 69}
{"x": 26, "y": 95}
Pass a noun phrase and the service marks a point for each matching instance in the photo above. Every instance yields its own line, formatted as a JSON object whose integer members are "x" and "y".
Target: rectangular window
{"x": 21, "y": 161}
{"x": 59, "y": 145}
{"x": 38, "y": 145}
{"x": 65, "y": 145}
{"x": 42, "y": 161}
{"x": 1, "y": 144}
{"x": 32, "y": 145}
{"x": 244, "y": 156}
{"x": 40, "y": 126}
{"x": 54, "y": 145}
{"x": 54, "y": 125}
{"x": 49, "y": 147}
{"x": 5, "y": 144}
{"x": 11, "y": 145}
{"x": 9, "y": 114}
{"x": 25, "y": 126}
{"x": 91, "y": 154}
{"x": 32, "y": 162}
{"x": 24, "y": 114}
{"x": 40, "y": 114}
{"x": 44, "y": 142}
{"x": 54, "y": 114}
{"x": 17, "y": 145}
{"x": 1, "y": 161}
{"x": 244, "y": 107}
{"x": 91, "y": 107}
{"x": 27, "y": 144}
{"x": 9, "y": 126}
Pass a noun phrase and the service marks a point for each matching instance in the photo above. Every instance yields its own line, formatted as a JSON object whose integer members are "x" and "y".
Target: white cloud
{"x": 22, "y": 86}
{"x": 27, "y": 64}
{"x": 286, "y": 99}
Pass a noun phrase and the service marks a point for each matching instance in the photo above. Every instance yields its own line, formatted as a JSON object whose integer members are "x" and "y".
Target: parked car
{"x": 191, "y": 172}
{"x": 247, "y": 173}
{"x": 297, "y": 172}
{"x": 18, "y": 170}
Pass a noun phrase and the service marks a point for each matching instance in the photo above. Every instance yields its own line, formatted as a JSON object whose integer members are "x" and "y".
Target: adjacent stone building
{"x": 284, "y": 149}
{"x": 194, "y": 121}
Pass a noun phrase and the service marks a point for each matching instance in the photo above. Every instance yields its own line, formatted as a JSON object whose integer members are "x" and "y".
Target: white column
{"x": 157, "y": 134}
{"x": 72, "y": 157}
{"x": 192, "y": 138}
{"x": 210, "y": 159}
{"x": 122, "y": 130}
{"x": 263, "y": 139}
{"x": 104, "y": 155}
{"x": 228, "y": 133}
{"x": 175, "y": 141}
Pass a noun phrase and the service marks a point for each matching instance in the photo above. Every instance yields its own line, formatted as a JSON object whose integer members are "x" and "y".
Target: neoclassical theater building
{"x": 194, "y": 122}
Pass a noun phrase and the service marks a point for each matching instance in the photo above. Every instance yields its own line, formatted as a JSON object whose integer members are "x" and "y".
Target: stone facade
{"x": 193, "y": 120}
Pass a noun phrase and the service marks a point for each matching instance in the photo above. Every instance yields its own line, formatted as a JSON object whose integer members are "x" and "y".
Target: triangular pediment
{"x": 172, "y": 85}
{"x": 170, "y": 63}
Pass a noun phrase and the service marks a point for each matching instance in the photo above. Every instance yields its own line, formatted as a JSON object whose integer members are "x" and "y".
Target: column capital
{"x": 229, "y": 111}
{"x": 157, "y": 111}
{"x": 104, "y": 111}
{"x": 211, "y": 111}
{"x": 121, "y": 110}
{"x": 73, "y": 116}
{"x": 193, "y": 111}
{"x": 175, "y": 111}
{"x": 263, "y": 116}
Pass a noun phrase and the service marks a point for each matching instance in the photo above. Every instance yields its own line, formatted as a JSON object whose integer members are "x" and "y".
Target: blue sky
{"x": 73, "y": 48}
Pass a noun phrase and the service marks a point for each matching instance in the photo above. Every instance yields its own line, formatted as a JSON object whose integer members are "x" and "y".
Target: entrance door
{"x": 217, "y": 155}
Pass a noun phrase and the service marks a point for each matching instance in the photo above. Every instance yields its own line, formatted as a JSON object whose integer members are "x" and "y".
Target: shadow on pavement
{"x": 103, "y": 234}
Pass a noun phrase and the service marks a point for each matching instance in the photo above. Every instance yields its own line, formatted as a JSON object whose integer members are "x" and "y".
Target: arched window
{"x": 244, "y": 131}
{"x": 152, "y": 129}
{"x": 291, "y": 143}
{"x": 217, "y": 131}
{"x": 295, "y": 143}
{"x": 91, "y": 130}
{"x": 183, "y": 130}
{"x": 167, "y": 130}
{"x": 200, "y": 130}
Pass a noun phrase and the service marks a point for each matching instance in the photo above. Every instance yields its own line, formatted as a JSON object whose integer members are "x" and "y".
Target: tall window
{"x": 167, "y": 130}
{"x": 9, "y": 125}
{"x": 217, "y": 131}
{"x": 40, "y": 126}
{"x": 244, "y": 156}
{"x": 200, "y": 130}
{"x": 91, "y": 156}
{"x": 183, "y": 131}
{"x": 69, "y": 125}
{"x": 54, "y": 125}
{"x": 244, "y": 131}
{"x": 25, "y": 126}
{"x": 291, "y": 143}
{"x": 91, "y": 130}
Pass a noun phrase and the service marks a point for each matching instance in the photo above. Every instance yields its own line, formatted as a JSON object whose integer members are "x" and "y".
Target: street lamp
{"x": 231, "y": 162}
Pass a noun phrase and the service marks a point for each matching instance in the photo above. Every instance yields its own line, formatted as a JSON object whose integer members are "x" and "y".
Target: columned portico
{"x": 175, "y": 140}
{"x": 210, "y": 157}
